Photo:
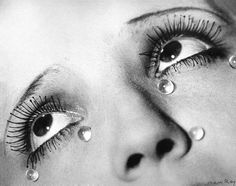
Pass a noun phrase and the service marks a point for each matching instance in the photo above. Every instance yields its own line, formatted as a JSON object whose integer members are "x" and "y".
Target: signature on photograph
{"x": 229, "y": 182}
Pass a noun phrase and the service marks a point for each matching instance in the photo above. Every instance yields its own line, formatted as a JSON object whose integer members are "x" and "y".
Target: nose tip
{"x": 136, "y": 158}
{"x": 163, "y": 147}
{"x": 146, "y": 138}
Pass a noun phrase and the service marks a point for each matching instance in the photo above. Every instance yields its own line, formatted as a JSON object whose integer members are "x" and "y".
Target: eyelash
{"x": 19, "y": 133}
{"x": 200, "y": 29}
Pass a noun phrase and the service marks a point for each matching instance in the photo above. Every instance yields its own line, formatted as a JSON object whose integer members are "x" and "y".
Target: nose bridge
{"x": 143, "y": 136}
{"x": 133, "y": 111}
{"x": 137, "y": 121}
{"x": 134, "y": 104}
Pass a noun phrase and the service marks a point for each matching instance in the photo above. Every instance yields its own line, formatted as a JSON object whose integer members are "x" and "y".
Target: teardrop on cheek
{"x": 85, "y": 133}
{"x": 32, "y": 175}
{"x": 232, "y": 61}
{"x": 166, "y": 86}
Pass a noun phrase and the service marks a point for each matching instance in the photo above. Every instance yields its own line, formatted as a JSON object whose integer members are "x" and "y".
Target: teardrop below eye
{"x": 170, "y": 51}
{"x": 42, "y": 125}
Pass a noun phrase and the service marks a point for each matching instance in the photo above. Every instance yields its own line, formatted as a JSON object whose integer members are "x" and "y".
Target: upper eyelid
{"x": 33, "y": 87}
{"x": 168, "y": 72}
{"x": 39, "y": 81}
{"x": 143, "y": 18}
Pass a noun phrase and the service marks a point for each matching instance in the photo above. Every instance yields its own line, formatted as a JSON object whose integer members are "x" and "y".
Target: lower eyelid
{"x": 50, "y": 145}
{"x": 196, "y": 61}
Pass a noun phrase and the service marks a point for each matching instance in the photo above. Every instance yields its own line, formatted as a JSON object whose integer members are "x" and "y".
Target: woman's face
{"x": 68, "y": 65}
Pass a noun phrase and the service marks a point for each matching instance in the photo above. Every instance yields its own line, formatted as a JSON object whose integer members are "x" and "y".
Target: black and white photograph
{"x": 117, "y": 92}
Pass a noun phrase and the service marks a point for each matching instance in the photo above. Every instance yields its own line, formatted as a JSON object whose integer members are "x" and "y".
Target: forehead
{"x": 61, "y": 21}
{"x": 56, "y": 22}
{"x": 84, "y": 11}
{"x": 43, "y": 33}
{"x": 37, "y": 34}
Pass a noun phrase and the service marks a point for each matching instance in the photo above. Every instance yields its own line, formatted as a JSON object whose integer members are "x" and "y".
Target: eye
{"x": 183, "y": 41}
{"x": 38, "y": 126}
{"x": 48, "y": 125}
{"x": 179, "y": 49}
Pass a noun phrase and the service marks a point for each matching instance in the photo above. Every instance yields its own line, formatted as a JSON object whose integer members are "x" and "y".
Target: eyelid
{"x": 205, "y": 58}
{"x": 75, "y": 116}
{"x": 144, "y": 18}
{"x": 41, "y": 80}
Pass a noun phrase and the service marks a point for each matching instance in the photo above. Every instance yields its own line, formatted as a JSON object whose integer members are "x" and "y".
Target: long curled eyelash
{"x": 180, "y": 26}
{"x": 19, "y": 131}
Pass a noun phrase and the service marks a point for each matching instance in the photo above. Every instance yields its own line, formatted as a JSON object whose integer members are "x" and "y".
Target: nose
{"x": 146, "y": 138}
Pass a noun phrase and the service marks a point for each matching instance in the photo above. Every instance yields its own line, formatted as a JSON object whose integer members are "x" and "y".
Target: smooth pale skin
{"x": 98, "y": 60}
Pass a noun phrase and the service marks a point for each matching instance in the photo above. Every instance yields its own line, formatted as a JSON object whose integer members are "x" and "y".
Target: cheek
{"x": 207, "y": 98}
{"x": 206, "y": 94}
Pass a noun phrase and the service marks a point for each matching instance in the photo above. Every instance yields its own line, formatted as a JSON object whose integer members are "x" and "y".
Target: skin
{"x": 98, "y": 69}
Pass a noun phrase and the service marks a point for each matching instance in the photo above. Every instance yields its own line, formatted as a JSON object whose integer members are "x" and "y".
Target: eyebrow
{"x": 37, "y": 82}
{"x": 222, "y": 15}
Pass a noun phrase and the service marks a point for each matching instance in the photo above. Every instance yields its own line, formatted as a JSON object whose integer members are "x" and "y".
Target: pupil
{"x": 170, "y": 51}
{"x": 42, "y": 125}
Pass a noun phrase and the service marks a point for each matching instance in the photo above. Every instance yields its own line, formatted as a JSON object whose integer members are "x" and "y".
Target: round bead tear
{"x": 85, "y": 133}
{"x": 166, "y": 86}
{"x": 32, "y": 175}
{"x": 232, "y": 61}
{"x": 197, "y": 133}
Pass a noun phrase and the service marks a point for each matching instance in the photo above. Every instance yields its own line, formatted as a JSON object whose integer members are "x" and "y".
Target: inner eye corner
{"x": 75, "y": 115}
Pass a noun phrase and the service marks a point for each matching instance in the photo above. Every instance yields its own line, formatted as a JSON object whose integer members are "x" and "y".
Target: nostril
{"x": 133, "y": 161}
{"x": 164, "y": 146}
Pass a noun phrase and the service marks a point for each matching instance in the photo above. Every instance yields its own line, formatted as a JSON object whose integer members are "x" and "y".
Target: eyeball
{"x": 47, "y": 125}
{"x": 179, "y": 49}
